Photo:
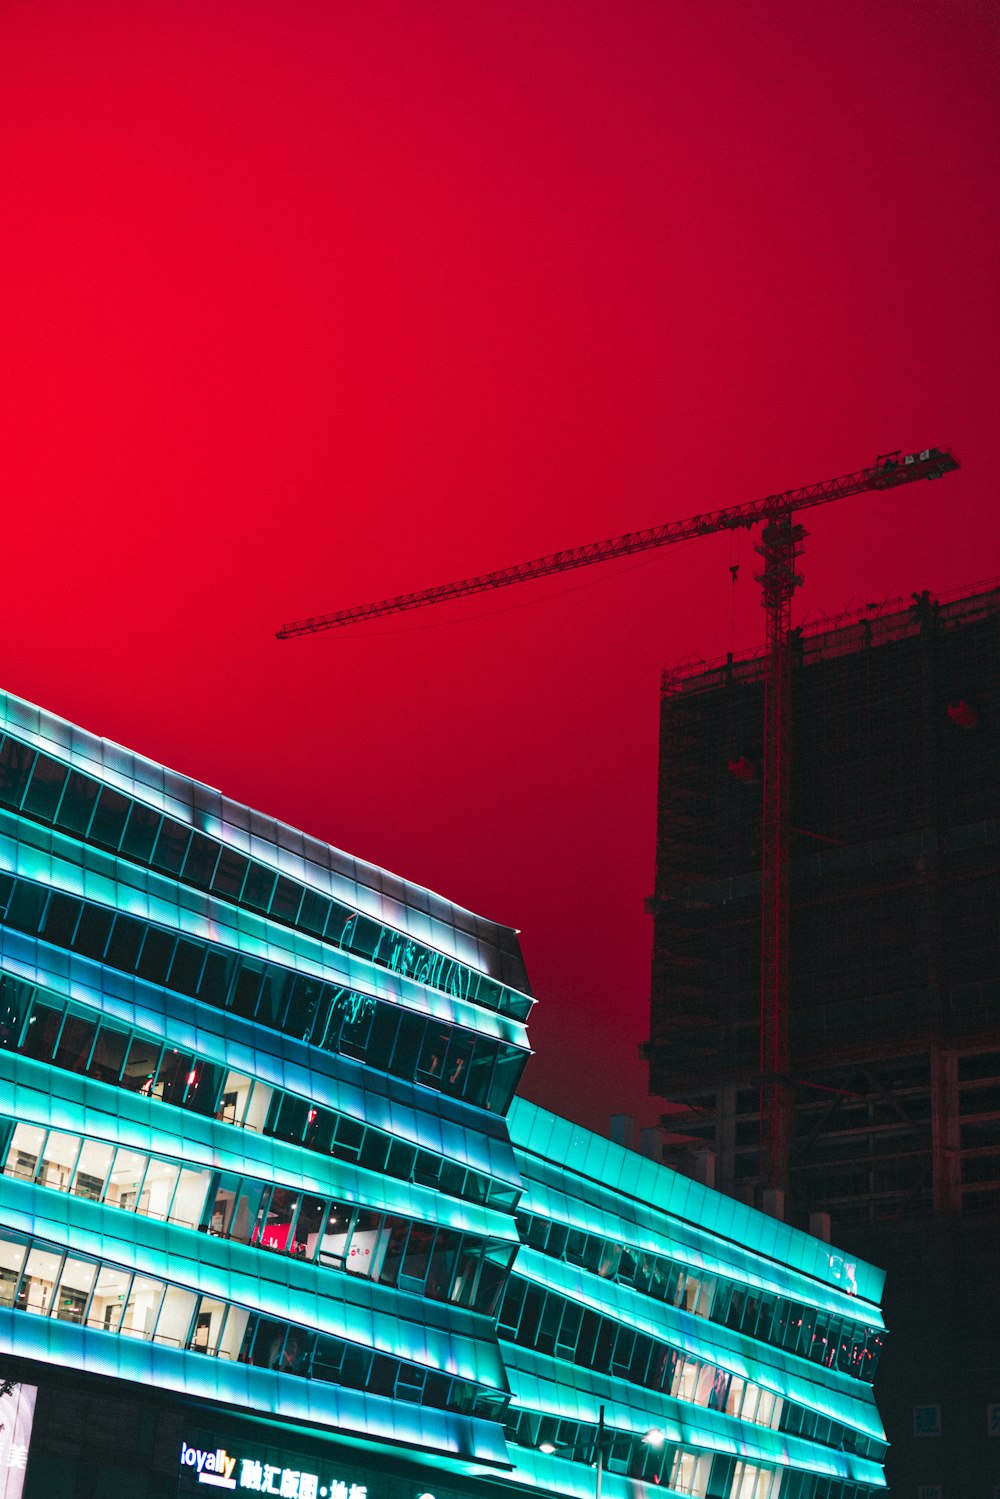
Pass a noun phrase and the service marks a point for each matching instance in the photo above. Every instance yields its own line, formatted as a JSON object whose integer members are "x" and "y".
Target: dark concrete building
{"x": 894, "y": 1016}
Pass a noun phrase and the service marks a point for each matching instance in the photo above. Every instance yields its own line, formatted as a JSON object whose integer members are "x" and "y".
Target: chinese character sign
{"x": 926, "y": 1420}
{"x": 17, "y": 1412}
{"x": 251, "y": 1475}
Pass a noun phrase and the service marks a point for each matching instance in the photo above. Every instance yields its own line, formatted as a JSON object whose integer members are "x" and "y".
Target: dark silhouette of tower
{"x": 894, "y": 983}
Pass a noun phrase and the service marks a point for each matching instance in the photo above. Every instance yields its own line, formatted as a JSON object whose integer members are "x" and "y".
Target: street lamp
{"x": 599, "y": 1450}
{"x": 654, "y": 1437}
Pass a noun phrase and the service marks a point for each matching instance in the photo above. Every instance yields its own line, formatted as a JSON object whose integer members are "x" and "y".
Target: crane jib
{"x": 888, "y": 472}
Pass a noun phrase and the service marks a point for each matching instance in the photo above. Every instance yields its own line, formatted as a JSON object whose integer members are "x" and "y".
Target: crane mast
{"x": 780, "y": 546}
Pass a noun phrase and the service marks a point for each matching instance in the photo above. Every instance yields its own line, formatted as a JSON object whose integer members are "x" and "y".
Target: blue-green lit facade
{"x": 267, "y": 1194}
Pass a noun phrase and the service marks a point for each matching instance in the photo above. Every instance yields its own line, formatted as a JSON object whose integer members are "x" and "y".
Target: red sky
{"x": 310, "y": 304}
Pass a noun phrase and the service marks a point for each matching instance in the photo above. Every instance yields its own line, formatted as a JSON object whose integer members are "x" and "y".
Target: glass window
{"x": 442, "y": 1265}
{"x": 76, "y": 1042}
{"x": 308, "y": 1227}
{"x": 125, "y": 1182}
{"x": 58, "y": 1161}
{"x": 510, "y": 1310}
{"x": 204, "y": 1086}
{"x": 39, "y": 1281}
{"x": 25, "y": 1149}
{"x": 259, "y": 887}
{"x": 545, "y": 1337}
{"x": 277, "y": 1228}
{"x": 410, "y": 1383}
{"x": 185, "y": 966}
{"x": 286, "y": 900}
{"x": 231, "y": 1339}
{"x": 259, "y": 1107}
{"x": 433, "y": 1055}
{"x": 154, "y": 959}
{"x": 402, "y": 1158}
{"x": 15, "y": 1001}
{"x": 139, "y": 1072}
{"x": 108, "y": 1054}
{"x": 92, "y": 1170}
{"x": 246, "y": 990}
{"x": 42, "y": 1032}
{"x": 213, "y": 986}
{"x": 396, "y": 1231}
{"x": 481, "y": 1072}
{"x": 12, "y": 1253}
{"x": 268, "y": 1343}
{"x": 124, "y": 943}
{"x": 140, "y": 832}
{"x": 224, "y": 1191}
{"x": 328, "y": 1359}
{"x": 719, "y": 1396}
{"x": 158, "y": 1189}
{"x": 569, "y": 1330}
{"x": 173, "y": 1326}
{"x": 416, "y": 1260}
{"x": 15, "y": 767}
{"x": 45, "y": 788}
{"x": 427, "y": 1170}
{"x": 230, "y": 872}
{"x": 333, "y": 1245}
{"x": 235, "y": 1097}
{"x": 355, "y": 1035}
{"x": 291, "y": 1118}
{"x": 304, "y": 995}
{"x": 59, "y": 920}
{"x": 175, "y": 1072}
{"x": 78, "y": 803}
{"x": 466, "y": 1272}
{"x": 244, "y": 1220}
{"x": 92, "y": 931}
{"x": 209, "y": 1320}
{"x": 171, "y": 846}
{"x": 25, "y": 907}
{"x": 273, "y": 997}
{"x": 349, "y": 1138}
{"x": 75, "y": 1286}
{"x": 142, "y": 1307}
{"x": 108, "y": 822}
{"x": 200, "y": 861}
{"x": 509, "y": 1066}
{"x": 375, "y": 1152}
{"x": 456, "y": 1074}
{"x": 319, "y": 1020}
{"x": 110, "y": 1296}
{"x": 409, "y": 1040}
{"x": 314, "y": 912}
{"x": 190, "y": 1196}
{"x": 321, "y": 1130}
{"x": 492, "y": 1275}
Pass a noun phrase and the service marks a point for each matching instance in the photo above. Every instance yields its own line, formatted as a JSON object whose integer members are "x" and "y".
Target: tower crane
{"x": 780, "y": 546}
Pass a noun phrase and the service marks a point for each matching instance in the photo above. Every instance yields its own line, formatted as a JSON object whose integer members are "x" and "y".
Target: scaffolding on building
{"x": 894, "y": 885}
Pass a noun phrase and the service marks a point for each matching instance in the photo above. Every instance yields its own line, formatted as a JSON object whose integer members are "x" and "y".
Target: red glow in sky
{"x": 310, "y": 304}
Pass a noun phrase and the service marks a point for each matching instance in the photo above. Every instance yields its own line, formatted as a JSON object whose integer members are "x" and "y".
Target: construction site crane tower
{"x": 781, "y": 545}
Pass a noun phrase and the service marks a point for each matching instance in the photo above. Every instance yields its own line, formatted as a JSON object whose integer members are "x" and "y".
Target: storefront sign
{"x": 17, "y": 1412}
{"x": 226, "y": 1470}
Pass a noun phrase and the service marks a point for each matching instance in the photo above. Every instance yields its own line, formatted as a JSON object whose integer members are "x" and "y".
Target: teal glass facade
{"x": 262, "y": 1167}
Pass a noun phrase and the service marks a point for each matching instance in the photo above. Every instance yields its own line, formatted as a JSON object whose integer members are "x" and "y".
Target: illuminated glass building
{"x": 272, "y": 1222}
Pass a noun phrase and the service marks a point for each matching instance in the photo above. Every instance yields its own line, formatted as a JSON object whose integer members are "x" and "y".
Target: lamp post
{"x": 600, "y": 1452}
{"x": 654, "y": 1437}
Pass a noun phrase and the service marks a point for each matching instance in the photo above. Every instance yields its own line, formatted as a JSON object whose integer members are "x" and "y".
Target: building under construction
{"x": 894, "y": 991}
